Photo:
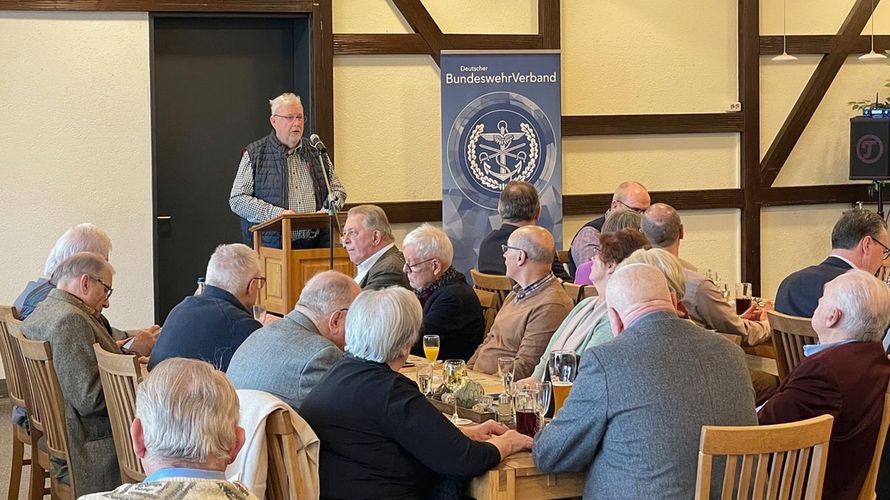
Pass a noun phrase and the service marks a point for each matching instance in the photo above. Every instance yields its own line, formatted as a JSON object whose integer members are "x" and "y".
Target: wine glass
{"x": 425, "y": 378}
{"x": 431, "y": 347}
{"x": 545, "y": 391}
{"x": 455, "y": 373}
{"x": 506, "y": 370}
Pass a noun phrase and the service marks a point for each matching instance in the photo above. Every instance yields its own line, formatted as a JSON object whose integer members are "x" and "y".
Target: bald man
{"x": 533, "y": 310}
{"x": 629, "y": 195}
{"x": 635, "y": 412}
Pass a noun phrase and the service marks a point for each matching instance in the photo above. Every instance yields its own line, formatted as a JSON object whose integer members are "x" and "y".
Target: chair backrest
{"x": 766, "y": 461}
{"x": 16, "y": 380}
{"x": 563, "y": 256}
{"x": 871, "y": 479}
{"x": 283, "y": 480}
{"x": 790, "y": 334}
{"x": 579, "y": 292}
{"x": 120, "y": 374}
{"x": 489, "y": 301}
{"x": 47, "y": 404}
{"x": 495, "y": 283}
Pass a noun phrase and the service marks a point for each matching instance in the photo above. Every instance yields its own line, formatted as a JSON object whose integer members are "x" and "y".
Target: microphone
{"x": 315, "y": 142}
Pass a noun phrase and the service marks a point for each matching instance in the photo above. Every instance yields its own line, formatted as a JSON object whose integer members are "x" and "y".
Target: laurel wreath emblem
{"x": 495, "y": 184}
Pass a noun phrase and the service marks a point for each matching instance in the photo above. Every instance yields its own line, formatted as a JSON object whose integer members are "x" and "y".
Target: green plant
{"x": 868, "y": 103}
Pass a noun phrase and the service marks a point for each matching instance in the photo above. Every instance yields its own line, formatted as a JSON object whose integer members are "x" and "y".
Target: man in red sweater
{"x": 845, "y": 376}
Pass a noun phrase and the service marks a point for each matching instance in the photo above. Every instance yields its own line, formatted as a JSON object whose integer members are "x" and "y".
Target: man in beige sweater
{"x": 532, "y": 312}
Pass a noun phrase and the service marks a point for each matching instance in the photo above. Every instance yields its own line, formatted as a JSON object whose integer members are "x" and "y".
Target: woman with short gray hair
{"x": 380, "y": 437}
{"x": 451, "y": 308}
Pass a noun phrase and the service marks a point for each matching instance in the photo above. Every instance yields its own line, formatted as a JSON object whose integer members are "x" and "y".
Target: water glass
{"x": 425, "y": 378}
{"x": 506, "y": 370}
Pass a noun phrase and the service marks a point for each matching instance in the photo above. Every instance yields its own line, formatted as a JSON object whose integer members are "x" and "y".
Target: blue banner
{"x": 500, "y": 122}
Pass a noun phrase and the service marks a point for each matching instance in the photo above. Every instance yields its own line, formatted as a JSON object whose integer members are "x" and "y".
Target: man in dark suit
{"x": 634, "y": 415}
{"x": 858, "y": 241}
{"x": 845, "y": 375}
{"x": 368, "y": 239}
{"x": 518, "y": 206}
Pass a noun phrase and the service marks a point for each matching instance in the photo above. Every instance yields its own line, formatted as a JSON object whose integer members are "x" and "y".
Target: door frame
{"x": 321, "y": 50}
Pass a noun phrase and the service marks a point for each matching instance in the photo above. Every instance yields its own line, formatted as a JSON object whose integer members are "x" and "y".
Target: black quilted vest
{"x": 268, "y": 156}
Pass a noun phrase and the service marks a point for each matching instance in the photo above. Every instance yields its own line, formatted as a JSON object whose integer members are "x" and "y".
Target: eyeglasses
{"x": 412, "y": 268}
{"x": 290, "y": 118}
{"x": 635, "y": 209}
{"x": 886, "y": 252}
{"x": 261, "y": 282}
{"x": 504, "y": 248}
{"x": 108, "y": 289}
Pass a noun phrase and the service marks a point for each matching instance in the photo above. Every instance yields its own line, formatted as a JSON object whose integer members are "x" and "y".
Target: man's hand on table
{"x": 143, "y": 341}
{"x": 755, "y": 313}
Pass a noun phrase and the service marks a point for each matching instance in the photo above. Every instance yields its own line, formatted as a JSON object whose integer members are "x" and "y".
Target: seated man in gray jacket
{"x": 634, "y": 415}
{"x": 288, "y": 357}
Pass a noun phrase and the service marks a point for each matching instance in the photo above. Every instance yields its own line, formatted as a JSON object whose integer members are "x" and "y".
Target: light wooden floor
{"x": 6, "y": 451}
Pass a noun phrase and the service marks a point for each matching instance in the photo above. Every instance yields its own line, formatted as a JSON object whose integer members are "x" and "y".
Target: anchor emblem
{"x": 507, "y": 157}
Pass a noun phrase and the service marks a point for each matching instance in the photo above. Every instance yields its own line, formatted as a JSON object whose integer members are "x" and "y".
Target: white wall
{"x": 76, "y": 146}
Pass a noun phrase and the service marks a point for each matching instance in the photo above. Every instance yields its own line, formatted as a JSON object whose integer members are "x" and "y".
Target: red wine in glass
{"x": 527, "y": 422}
{"x": 742, "y": 304}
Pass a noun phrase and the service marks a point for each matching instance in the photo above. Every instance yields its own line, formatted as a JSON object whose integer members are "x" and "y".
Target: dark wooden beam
{"x": 422, "y": 22}
{"x": 323, "y": 68}
{"x": 162, "y": 5}
{"x": 818, "y": 195}
{"x": 749, "y": 140}
{"x": 691, "y": 123}
{"x": 814, "y": 91}
{"x": 494, "y": 42}
{"x": 380, "y": 44}
{"x": 818, "y": 44}
{"x": 549, "y": 23}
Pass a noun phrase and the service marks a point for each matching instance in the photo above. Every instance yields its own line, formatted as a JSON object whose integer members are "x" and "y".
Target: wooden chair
{"x": 283, "y": 480}
{"x": 15, "y": 387}
{"x": 579, "y": 292}
{"x": 868, "y": 487}
{"x": 766, "y": 461}
{"x": 47, "y": 408}
{"x": 489, "y": 301}
{"x": 790, "y": 334}
{"x": 495, "y": 283}
{"x": 120, "y": 374}
{"x": 563, "y": 256}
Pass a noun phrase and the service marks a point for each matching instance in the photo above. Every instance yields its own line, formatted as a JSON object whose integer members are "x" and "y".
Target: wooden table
{"x": 517, "y": 477}
{"x": 490, "y": 383}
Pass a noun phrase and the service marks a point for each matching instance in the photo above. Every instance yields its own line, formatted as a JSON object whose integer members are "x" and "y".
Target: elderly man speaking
{"x": 451, "y": 309}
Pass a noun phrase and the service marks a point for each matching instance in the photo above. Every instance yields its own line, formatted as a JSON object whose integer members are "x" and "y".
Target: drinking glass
{"x": 431, "y": 347}
{"x": 259, "y": 313}
{"x": 455, "y": 373}
{"x": 506, "y": 370}
{"x": 525, "y": 406}
{"x": 545, "y": 390}
{"x": 563, "y": 368}
{"x": 425, "y": 378}
{"x": 743, "y": 297}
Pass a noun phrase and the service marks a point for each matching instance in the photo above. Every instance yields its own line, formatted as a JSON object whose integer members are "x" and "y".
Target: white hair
{"x": 381, "y": 323}
{"x": 327, "y": 292}
{"x": 430, "y": 242}
{"x": 189, "y": 412}
{"x": 284, "y": 99}
{"x": 864, "y": 302}
{"x": 231, "y": 267}
{"x": 75, "y": 266}
{"x": 663, "y": 260}
{"x": 81, "y": 238}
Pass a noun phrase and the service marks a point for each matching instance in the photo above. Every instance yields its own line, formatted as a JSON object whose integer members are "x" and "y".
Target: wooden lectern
{"x": 286, "y": 269}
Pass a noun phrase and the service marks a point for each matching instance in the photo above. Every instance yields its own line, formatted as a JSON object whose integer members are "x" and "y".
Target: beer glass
{"x": 431, "y": 347}
{"x": 563, "y": 368}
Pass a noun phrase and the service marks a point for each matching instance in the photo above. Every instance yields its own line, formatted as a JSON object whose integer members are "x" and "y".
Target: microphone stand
{"x": 327, "y": 171}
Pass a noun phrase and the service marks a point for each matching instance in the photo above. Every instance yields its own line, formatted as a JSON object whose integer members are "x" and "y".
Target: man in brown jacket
{"x": 69, "y": 320}
{"x": 533, "y": 310}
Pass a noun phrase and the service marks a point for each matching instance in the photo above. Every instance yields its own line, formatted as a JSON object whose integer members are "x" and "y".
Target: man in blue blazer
{"x": 858, "y": 241}
{"x": 634, "y": 416}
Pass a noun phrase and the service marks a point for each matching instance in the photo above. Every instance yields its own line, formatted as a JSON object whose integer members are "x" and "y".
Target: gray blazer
{"x": 387, "y": 271}
{"x": 635, "y": 413}
{"x": 286, "y": 358}
{"x": 67, "y": 324}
